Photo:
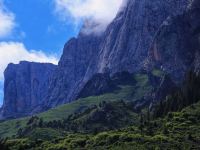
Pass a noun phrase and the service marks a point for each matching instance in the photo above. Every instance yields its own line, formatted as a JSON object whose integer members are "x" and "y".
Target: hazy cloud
{"x": 7, "y": 20}
{"x": 99, "y": 12}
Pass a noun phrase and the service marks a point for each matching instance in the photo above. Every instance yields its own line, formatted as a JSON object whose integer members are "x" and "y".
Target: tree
{"x": 3, "y": 145}
{"x": 148, "y": 116}
{"x": 141, "y": 127}
{"x": 20, "y": 132}
{"x": 41, "y": 123}
{"x": 32, "y": 120}
{"x": 149, "y": 124}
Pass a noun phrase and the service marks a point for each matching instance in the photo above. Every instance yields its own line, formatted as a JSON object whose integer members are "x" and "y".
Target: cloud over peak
{"x": 100, "y": 12}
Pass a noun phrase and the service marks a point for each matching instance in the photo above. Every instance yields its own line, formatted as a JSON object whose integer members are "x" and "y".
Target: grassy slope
{"x": 63, "y": 111}
{"x": 126, "y": 93}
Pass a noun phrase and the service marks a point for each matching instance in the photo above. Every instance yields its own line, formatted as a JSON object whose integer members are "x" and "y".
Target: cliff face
{"x": 25, "y": 86}
{"x": 122, "y": 47}
{"x": 77, "y": 55}
{"x": 129, "y": 37}
{"x": 176, "y": 47}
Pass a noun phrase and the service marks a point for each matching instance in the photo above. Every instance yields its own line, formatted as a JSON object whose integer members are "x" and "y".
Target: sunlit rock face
{"x": 25, "y": 86}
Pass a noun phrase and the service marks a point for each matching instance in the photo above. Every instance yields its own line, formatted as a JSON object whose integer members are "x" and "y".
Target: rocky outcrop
{"x": 123, "y": 78}
{"x": 102, "y": 83}
{"x": 99, "y": 84}
{"x": 25, "y": 86}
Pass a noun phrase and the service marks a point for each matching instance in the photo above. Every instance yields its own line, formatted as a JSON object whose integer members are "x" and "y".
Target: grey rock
{"x": 176, "y": 46}
{"x": 77, "y": 55}
{"x": 129, "y": 37}
{"x": 25, "y": 86}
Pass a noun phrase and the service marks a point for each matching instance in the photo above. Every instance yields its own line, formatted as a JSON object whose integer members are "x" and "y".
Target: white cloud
{"x": 99, "y": 12}
{"x": 7, "y": 21}
{"x": 13, "y": 52}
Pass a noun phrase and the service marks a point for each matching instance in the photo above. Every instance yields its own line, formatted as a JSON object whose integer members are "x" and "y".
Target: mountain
{"x": 153, "y": 102}
{"x": 122, "y": 47}
{"x": 125, "y": 46}
{"x": 25, "y": 86}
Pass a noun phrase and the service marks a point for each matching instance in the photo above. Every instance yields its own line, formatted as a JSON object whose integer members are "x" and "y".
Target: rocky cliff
{"x": 78, "y": 53}
{"x": 25, "y": 86}
{"x": 176, "y": 47}
{"x": 122, "y": 47}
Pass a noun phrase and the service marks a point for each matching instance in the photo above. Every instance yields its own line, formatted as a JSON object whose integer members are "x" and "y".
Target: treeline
{"x": 105, "y": 116}
{"x": 188, "y": 94}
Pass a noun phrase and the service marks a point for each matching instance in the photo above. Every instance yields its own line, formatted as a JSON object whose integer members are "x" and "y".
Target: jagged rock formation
{"x": 25, "y": 86}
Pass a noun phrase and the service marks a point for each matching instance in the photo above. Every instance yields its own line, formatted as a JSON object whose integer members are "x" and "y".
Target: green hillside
{"x": 104, "y": 117}
{"x": 61, "y": 112}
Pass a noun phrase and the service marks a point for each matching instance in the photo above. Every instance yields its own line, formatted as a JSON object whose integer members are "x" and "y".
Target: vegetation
{"x": 104, "y": 117}
{"x": 178, "y": 130}
{"x": 110, "y": 121}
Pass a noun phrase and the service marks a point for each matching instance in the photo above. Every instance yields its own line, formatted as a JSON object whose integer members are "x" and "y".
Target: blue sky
{"x": 36, "y": 30}
{"x": 38, "y": 27}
